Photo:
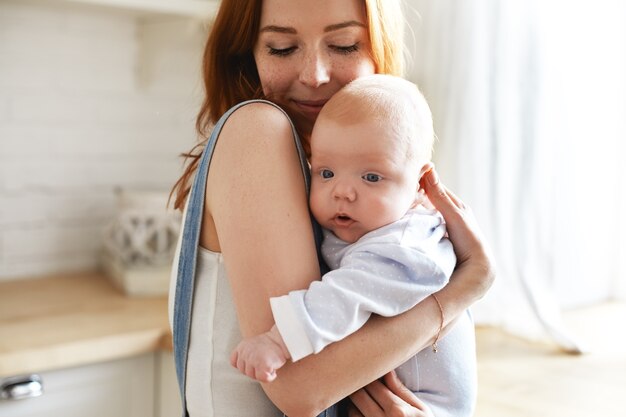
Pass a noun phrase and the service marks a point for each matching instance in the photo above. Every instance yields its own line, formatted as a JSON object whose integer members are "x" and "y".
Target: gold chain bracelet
{"x": 440, "y": 324}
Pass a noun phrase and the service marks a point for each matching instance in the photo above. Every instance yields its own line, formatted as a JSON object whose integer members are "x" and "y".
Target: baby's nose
{"x": 344, "y": 192}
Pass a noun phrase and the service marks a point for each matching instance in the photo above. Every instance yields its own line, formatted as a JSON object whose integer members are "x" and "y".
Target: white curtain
{"x": 529, "y": 102}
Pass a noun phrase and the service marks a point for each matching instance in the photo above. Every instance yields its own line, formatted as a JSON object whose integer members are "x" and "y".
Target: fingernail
{"x": 432, "y": 177}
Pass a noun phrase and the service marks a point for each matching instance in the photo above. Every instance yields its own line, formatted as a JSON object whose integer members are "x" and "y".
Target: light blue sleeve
{"x": 382, "y": 277}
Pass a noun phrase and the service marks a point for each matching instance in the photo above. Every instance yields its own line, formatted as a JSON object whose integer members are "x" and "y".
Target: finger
{"x": 233, "y": 358}
{"x": 432, "y": 180}
{"x": 241, "y": 364}
{"x": 250, "y": 371}
{"x": 366, "y": 404}
{"x": 265, "y": 376}
{"x": 396, "y": 399}
{"x": 265, "y": 372}
{"x": 453, "y": 210}
{"x": 382, "y": 395}
{"x": 271, "y": 376}
{"x": 397, "y": 387}
{"x": 455, "y": 199}
{"x": 353, "y": 411}
{"x": 437, "y": 193}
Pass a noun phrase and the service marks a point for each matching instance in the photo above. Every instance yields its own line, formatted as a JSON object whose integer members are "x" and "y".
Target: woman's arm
{"x": 257, "y": 202}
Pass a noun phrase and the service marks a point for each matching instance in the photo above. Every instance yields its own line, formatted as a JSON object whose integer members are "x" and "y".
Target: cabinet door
{"x": 123, "y": 388}
{"x": 168, "y": 394}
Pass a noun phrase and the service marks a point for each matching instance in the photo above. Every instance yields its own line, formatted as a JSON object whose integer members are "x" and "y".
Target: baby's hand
{"x": 261, "y": 356}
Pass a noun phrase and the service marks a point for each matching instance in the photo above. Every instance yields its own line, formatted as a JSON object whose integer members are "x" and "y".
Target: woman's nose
{"x": 315, "y": 71}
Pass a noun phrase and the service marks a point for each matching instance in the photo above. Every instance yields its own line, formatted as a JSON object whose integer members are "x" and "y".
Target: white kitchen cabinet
{"x": 122, "y": 388}
{"x": 167, "y": 392}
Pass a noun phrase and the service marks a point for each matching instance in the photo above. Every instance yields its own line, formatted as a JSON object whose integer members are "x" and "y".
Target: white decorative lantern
{"x": 139, "y": 243}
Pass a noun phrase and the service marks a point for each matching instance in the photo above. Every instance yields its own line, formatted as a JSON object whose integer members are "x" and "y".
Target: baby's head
{"x": 369, "y": 148}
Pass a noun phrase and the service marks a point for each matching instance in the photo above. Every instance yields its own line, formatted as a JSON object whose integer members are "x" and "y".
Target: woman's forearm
{"x": 318, "y": 381}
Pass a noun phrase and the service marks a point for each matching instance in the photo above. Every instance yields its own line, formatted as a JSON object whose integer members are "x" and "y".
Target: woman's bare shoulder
{"x": 261, "y": 120}
{"x": 257, "y": 138}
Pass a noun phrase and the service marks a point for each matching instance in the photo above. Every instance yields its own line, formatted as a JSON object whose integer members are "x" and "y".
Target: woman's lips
{"x": 310, "y": 106}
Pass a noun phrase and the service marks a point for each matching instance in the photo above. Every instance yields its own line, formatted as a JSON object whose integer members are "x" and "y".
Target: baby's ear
{"x": 425, "y": 168}
{"x": 420, "y": 196}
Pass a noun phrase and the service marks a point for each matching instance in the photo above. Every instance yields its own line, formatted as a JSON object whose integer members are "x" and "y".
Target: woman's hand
{"x": 473, "y": 256}
{"x": 389, "y": 398}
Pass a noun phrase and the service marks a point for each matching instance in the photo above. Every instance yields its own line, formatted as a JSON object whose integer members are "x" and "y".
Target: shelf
{"x": 192, "y": 8}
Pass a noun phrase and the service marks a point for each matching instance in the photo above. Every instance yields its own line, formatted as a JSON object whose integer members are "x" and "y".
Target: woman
{"x": 256, "y": 239}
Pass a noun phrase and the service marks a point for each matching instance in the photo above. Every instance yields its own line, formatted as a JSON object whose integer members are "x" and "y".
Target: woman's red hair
{"x": 230, "y": 75}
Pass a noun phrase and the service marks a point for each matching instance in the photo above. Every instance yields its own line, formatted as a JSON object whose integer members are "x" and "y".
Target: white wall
{"x": 90, "y": 100}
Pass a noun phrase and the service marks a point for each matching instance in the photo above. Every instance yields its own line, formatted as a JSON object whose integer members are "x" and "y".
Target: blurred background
{"x": 98, "y": 98}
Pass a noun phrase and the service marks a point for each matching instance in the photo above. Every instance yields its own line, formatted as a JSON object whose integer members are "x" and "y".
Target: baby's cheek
{"x": 315, "y": 202}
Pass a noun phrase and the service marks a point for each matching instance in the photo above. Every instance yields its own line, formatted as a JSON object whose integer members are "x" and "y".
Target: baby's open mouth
{"x": 343, "y": 220}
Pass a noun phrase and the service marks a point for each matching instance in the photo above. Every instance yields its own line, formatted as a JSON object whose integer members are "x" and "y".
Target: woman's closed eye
{"x": 371, "y": 177}
{"x": 345, "y": 50}
{"x": 281, "y": 51}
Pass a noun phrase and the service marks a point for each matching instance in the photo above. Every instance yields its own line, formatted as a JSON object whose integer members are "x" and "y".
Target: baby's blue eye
{"x": 372, "y": 177}
{"x": 327, "y": 173}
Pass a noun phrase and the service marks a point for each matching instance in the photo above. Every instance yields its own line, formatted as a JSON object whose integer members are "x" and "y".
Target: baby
{"x": 370, "y": 146}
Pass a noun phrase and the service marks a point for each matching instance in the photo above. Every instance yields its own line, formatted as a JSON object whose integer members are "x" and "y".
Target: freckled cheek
{"x": 267, "y": 81}
{"x": 359, "y": 69}
{"x": 269, "y": 75}
{"x": 344, "y": 72}
{"x": 275, "y": 81}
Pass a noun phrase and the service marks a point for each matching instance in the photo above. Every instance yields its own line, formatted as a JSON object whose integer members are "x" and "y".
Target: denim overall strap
{"x": 183, "y": 297}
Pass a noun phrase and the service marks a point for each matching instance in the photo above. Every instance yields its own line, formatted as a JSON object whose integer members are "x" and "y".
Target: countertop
{"x": 70, "y": 320}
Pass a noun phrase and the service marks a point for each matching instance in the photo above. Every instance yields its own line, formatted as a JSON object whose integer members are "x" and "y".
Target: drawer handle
{"x": 21, "y": 387}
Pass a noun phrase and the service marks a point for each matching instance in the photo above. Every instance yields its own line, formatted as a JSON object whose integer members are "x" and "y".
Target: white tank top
{"x": 214, "y": 388}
